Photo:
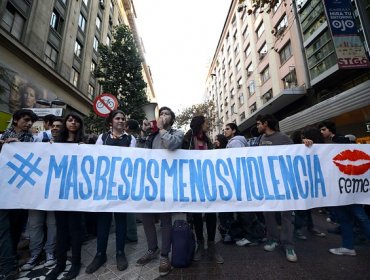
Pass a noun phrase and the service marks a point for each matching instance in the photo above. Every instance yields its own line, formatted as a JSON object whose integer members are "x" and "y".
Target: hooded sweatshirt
{"x": 237, "y": 141}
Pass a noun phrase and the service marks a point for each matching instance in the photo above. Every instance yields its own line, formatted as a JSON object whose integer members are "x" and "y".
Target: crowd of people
{"x": 52, "y": 233}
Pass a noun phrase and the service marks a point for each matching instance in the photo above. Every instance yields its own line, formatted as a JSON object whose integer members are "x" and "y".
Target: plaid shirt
{"x": 22, "y": 136}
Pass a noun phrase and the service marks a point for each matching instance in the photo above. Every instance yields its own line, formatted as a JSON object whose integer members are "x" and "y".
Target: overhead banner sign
{"x": 115, "y": 179}
{"x": 348, "y": 45}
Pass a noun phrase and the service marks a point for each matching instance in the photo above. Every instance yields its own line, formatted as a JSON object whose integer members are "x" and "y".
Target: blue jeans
{"x": 103, "y": 226}
{"x": 36, "y": 221}
{"x": 346, "y": 217}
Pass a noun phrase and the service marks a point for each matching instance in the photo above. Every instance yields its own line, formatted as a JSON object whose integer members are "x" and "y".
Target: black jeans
{"x": 211, "y": 221}
{"x": 8, "y": 259}
{"x": 69, "y": 233}
{"x": 103, "y": 226}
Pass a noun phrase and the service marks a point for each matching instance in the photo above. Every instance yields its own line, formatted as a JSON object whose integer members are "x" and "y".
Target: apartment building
{"x": 336, "y": 45}
{"x": 265, "y": 63}
{"x": 49, "y": 49}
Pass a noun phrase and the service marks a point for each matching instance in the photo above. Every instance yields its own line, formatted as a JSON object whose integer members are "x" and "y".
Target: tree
{"x": 206, "y": 109}
{"x": 119, "y": 71}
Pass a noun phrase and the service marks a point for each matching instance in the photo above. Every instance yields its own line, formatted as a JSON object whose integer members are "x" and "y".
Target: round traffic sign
{"x": 104, "y": 104}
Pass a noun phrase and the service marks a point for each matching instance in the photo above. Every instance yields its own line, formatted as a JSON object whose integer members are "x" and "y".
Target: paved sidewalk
{"x": 314, "y": 262}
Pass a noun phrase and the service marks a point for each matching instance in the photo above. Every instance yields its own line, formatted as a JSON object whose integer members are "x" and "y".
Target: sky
{"x": 180, "y": 39}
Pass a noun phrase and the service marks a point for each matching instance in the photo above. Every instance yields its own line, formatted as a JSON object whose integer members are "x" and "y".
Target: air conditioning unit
{"x": 249, "y": 73}
{"x": 239, "y": 86}
{"x": 262, "y": 55}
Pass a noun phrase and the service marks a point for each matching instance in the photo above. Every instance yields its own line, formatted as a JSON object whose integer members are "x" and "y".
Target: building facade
{"x": 265, "y": 62}
{"x": 49, "y": 49}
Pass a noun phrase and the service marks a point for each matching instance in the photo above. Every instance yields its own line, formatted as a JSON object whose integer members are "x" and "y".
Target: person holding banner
{"x": 164, "y": 137}
{"x": 69, "y": 223}
{"x": 267, "y": 125}
{"x": 12, "y": 221}
{"x": 197, "y": 139}
{"x": 115, "y": 137}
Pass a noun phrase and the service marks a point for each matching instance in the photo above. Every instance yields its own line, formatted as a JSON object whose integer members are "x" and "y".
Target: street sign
{"x": 104, "y": 104}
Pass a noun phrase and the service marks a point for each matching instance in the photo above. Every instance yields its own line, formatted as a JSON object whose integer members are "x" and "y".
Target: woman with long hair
{"x": 196, "y": 139}
{"x": 69, "y": 223}
{"x": 115, "y": 137}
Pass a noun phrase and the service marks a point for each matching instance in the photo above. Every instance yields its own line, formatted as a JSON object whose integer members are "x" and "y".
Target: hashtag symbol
{"x": 25, "y": 163}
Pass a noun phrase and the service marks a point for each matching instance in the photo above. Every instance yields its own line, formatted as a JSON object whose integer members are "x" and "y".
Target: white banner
{"x": 116, "y": 179}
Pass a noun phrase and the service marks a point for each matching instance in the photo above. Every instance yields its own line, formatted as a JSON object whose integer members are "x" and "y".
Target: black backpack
{"x": 183, "y": 244}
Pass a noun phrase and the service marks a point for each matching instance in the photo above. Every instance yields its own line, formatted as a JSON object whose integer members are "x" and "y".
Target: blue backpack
{"x": 183, "y": 244}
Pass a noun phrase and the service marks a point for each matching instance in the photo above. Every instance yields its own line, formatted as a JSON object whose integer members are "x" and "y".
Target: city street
{"x": 314, "y": 262}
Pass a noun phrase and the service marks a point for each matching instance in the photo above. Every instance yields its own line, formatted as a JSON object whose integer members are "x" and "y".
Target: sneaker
{"x": 73, "y": 272}
{"x": 54, "y": 273}
{"x": 290, "y": 255}
{"x": 243, "y": 242}
{"x": 50, "y": 260}
{"x": 97, "y": 262}
{"x": 343, "y": 251}
{"x": 31, "y": 263}
{"x": 299, "y": 234}
{"x": 122, "y": 263}
{"x": 149, "y": 255}
{"x": 199, "y": 252}
{"x": 316, "y": 232}
{"x": 213, "y": 253}
{"x": 270, "y": 245}
{"x": 164, "y": 266}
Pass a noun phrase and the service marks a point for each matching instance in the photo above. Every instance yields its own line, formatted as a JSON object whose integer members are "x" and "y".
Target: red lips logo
{"x": 352, "y": 162}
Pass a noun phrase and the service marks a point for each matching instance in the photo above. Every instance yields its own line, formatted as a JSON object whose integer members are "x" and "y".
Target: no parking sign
{"x": 104, "y": 104}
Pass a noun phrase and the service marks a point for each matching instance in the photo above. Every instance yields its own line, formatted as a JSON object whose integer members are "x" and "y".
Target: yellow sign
{"x": 4, "y": 120}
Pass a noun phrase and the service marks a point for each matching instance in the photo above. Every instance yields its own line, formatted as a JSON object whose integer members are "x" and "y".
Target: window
{"x": 51, "y": 55}
{"x": 91, "y": 92}
{"x": 98, "y": 23}
{"x": 108, "y": 41}
{"x": 253, "y": 108}
{"x": 96, "y": 44}
{"x": 92, "y": 66}
{"x": 236, "y": 49}
{"x": 263, "y": 49}
{"x": 265, "y": 74}
{"x": 78, "y": 49}
{"x": 82, "y": 22}
{"x": 245, "y": 32}
{"x": 242, "y": 116}
{"x": 248, "y": 50}
{"x": 74, "y": 77}
{"x": 12, "y": 21}
{"x": 260, "y": 30}
{"x": 251, "y": 88}
{"x": 111, "y": 7}
{"x": 240, "y": 82}
{"x": 56, "y": 21}
{"x": 233, "y": 109}
{"x": 285, "y": 53}
{"x": 250, "y": 69}
{"x": 238, "y": 66}
{"x": 232, "y": 93}
{"x": 283, "y": 23}
{"x": 241, "y": 98}
{"x": 86, "y": 2}
{"x": 277, "y": 5}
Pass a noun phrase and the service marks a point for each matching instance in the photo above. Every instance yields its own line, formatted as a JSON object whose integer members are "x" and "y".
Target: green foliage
{"x": 120, "y": 72}
{"x": 206, "y": 109}
{"x": 95, "y": 124}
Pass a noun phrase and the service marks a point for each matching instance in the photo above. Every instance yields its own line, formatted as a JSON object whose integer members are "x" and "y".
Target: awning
{"x": 349, "y": 100}
{"x": 286, "y": 97}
